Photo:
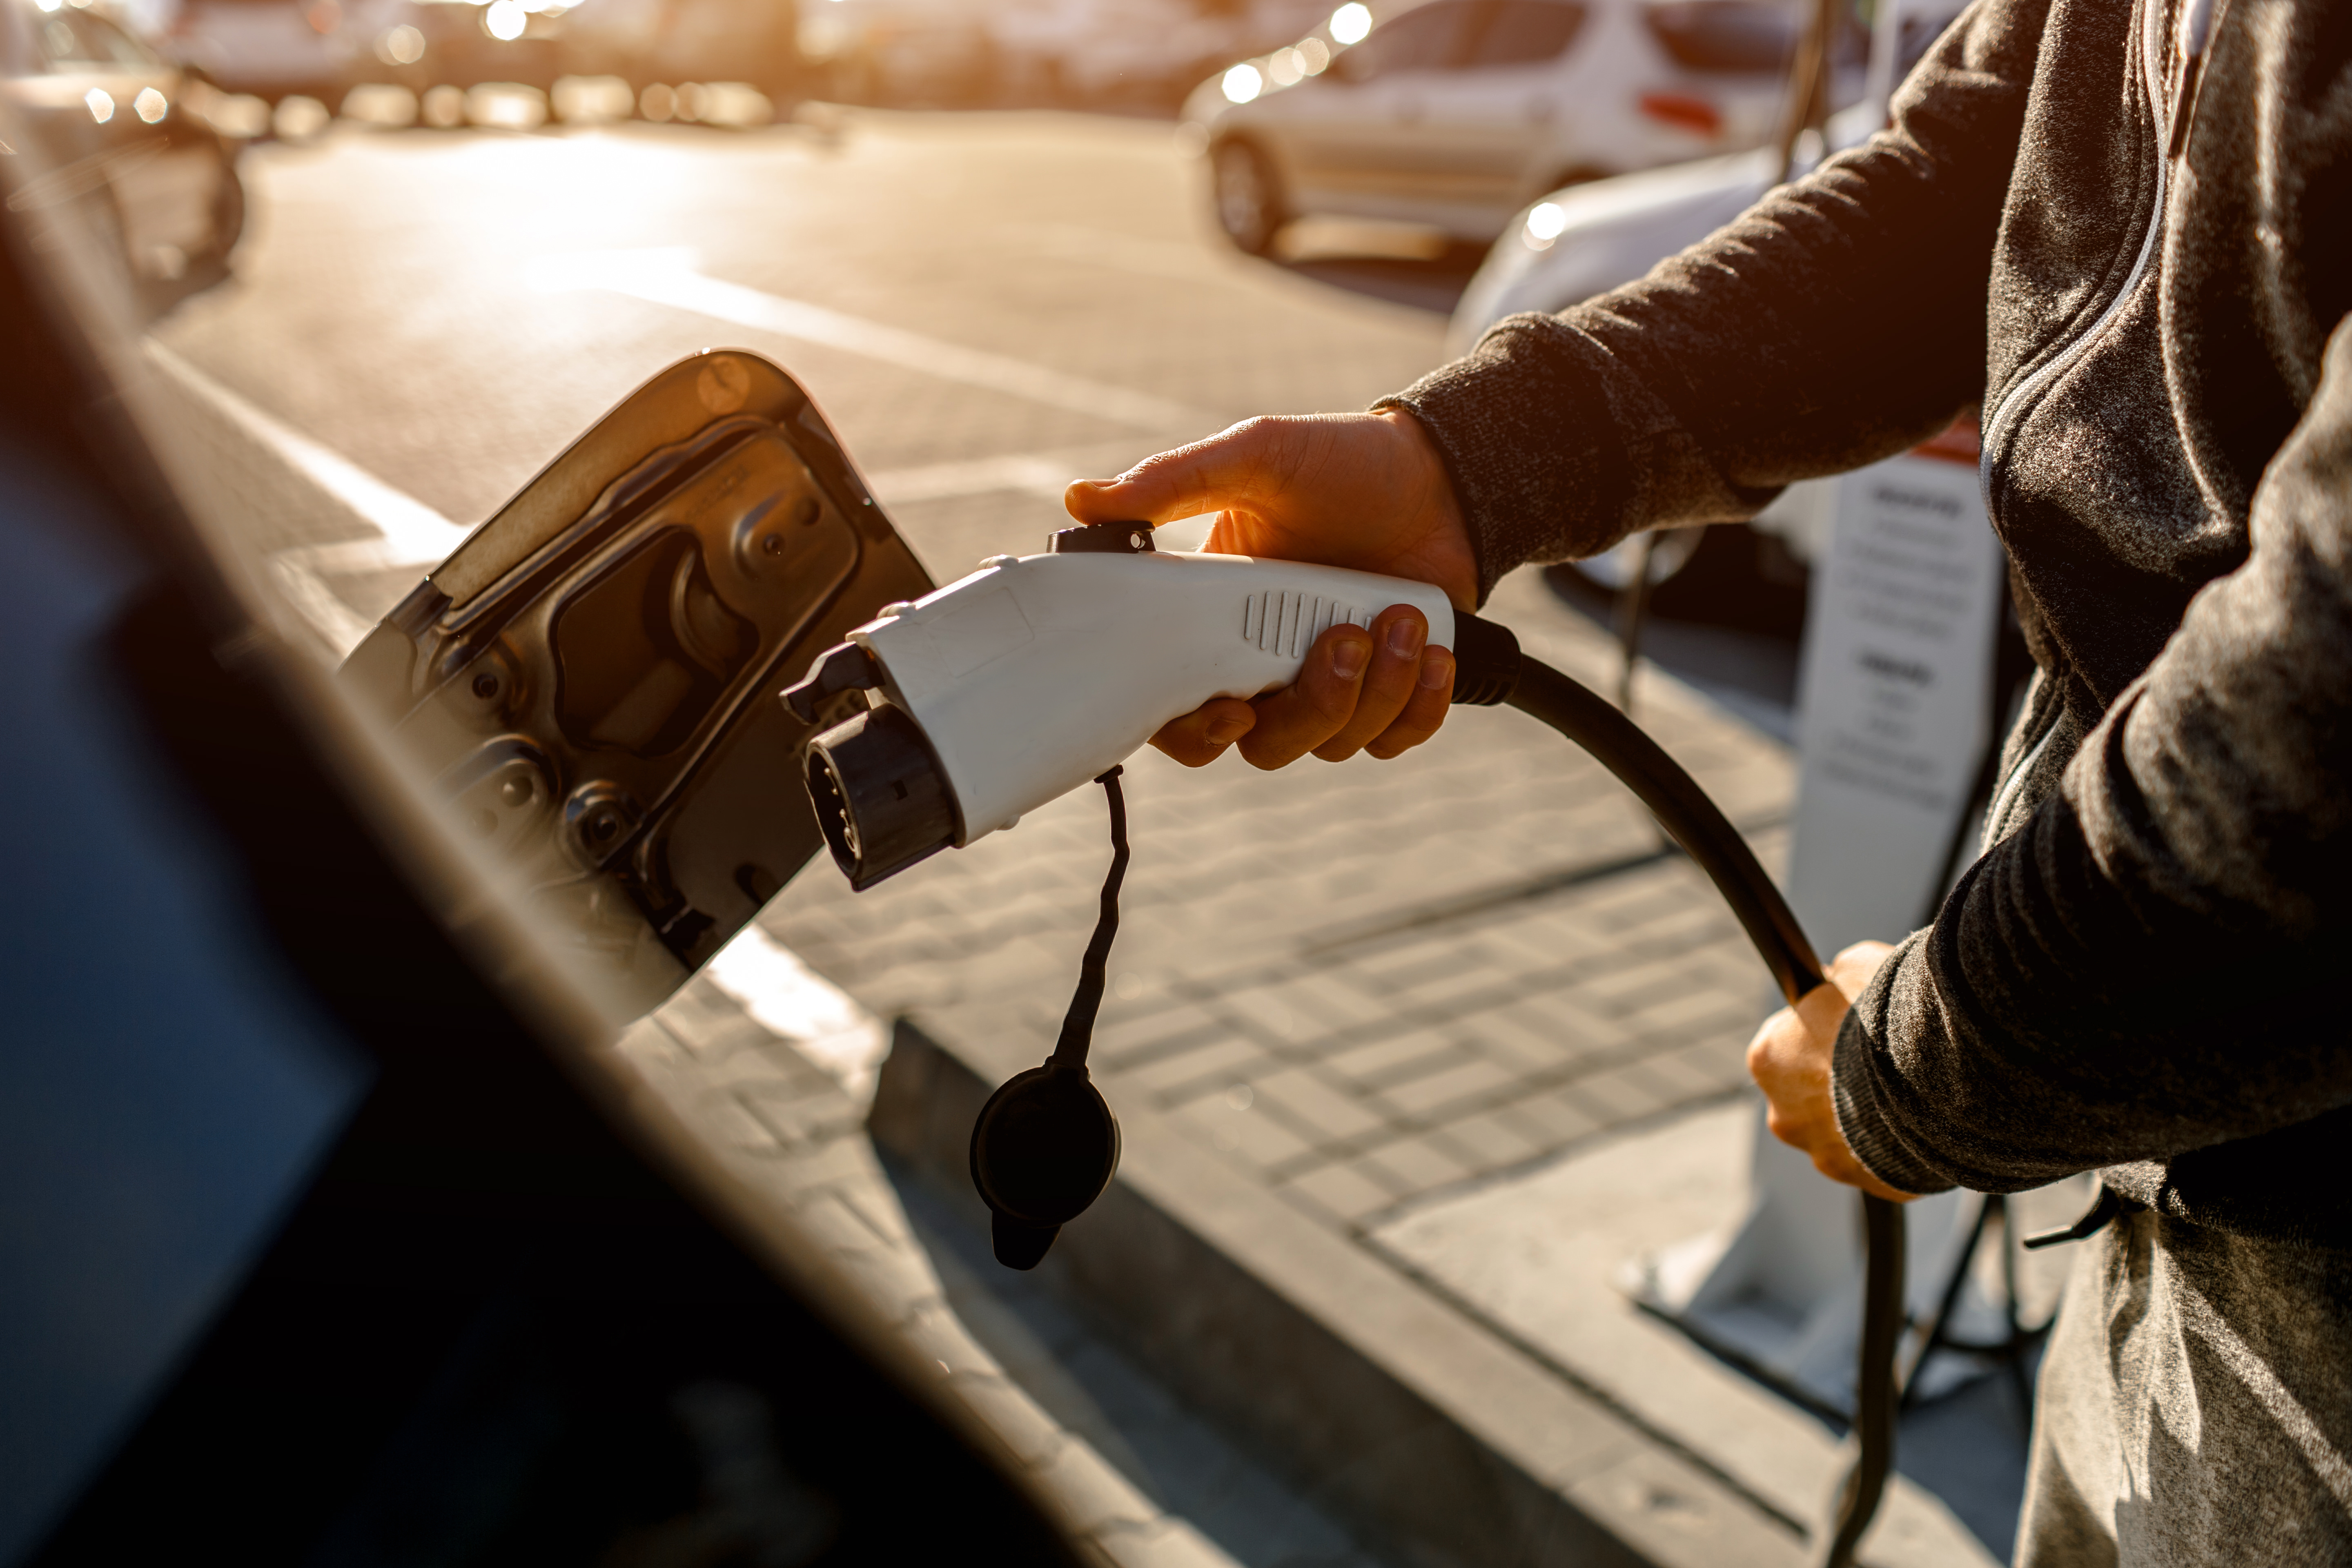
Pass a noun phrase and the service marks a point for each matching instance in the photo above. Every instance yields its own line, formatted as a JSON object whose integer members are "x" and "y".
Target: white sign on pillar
{"x": 1892, "y": 719}
{"x": 1891, "y": 710}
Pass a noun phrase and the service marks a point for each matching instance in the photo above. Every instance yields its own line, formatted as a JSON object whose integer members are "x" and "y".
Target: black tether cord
{"x": 1078, "y": 1024}
{"x": 1695, "y": 823}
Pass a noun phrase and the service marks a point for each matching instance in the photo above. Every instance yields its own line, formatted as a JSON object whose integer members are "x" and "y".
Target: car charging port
{"x": 880, "y": 795}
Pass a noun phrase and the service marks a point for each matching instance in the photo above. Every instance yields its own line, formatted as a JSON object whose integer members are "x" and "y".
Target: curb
{"x": 1395, "y": 1410}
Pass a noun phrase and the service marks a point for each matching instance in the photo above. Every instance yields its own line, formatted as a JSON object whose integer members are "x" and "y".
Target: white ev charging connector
{"x": 1017, "y": 684}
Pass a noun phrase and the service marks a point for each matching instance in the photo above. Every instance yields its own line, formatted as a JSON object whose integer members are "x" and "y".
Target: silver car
{"x": 1456, "y": 113}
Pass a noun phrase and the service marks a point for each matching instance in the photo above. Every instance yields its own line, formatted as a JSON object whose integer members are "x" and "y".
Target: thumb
{"x": 1227, "y": 469}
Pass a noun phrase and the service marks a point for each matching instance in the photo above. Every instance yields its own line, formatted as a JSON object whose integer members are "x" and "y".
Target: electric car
{"x": 676, "y": 41}
{"x": 336, "y": 1230}
{"x": 271, "y": 48}
{"x": 123, "y": 133}
{"x": 1456, "y": 113}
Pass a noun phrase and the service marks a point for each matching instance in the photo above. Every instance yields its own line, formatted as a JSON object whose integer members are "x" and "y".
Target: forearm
{"x": 1838, "y": 321}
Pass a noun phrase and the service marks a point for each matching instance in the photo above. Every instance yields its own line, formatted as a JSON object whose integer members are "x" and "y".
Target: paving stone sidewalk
{"x": 1367, "y": 983}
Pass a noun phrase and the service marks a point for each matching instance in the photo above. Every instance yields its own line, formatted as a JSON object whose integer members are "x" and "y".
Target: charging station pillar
{"x": 1892, "y": 721}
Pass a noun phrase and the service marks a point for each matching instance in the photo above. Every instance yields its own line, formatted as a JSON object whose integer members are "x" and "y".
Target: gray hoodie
{"x": 2133, "y": 265}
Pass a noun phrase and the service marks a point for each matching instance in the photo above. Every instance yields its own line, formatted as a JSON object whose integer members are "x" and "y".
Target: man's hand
{"x": 1789, "y": 1061}
{"x": 1362, "y": 490}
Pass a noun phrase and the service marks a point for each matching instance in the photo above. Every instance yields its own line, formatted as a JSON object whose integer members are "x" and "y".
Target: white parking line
{"x": 822, "y": 1022}
{"x": 413, "y": 532}
{"x": 339, "y": 627}
{"x": 669, "y": 277}
{"x": 408, "y": 531}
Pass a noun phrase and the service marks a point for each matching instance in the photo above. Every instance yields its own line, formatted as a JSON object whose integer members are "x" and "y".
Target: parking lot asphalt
{"x": 1362, "y": 986}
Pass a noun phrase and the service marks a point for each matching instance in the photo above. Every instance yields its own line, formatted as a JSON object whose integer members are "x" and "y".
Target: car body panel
{"x": 1432, "y": 128}
{"x": 267, "y": 47}
{"x": 1612, "y": 231}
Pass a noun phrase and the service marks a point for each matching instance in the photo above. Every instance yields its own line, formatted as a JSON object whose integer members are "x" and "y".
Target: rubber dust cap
{"x": 1045, "y": 1143}
{"x": 1019, "y": 1246}
{"x": 1043, "y": 1148}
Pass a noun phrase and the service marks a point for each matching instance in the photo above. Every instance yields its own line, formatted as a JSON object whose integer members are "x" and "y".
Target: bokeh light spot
{"x": 400, "y": 45}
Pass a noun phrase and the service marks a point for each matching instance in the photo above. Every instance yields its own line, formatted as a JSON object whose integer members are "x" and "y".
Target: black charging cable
{"x": 1490, "y": 669}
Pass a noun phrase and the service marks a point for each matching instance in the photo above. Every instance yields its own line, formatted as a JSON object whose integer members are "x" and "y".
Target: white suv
{"x": 1456, "y": 113}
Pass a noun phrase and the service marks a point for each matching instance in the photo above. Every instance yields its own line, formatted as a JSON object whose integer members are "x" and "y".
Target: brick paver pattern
{"x": 1365, "y": 983}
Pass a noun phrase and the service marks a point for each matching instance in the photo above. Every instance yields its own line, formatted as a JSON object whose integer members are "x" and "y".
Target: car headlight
{"x": 1545, "y": 224}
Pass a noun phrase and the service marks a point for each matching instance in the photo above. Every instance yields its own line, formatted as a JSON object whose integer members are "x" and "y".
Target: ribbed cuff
{"x": 1854, "y": 1091}
{"x": 1445, "y": 456}
{"x": 1524, "y": 425}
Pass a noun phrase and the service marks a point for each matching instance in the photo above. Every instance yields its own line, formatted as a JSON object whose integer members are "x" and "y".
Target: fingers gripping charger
{"x": 1036, "y": 674}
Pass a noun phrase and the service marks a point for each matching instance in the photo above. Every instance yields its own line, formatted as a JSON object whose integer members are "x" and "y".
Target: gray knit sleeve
{"x": 2144, "y": 975}
{"x": 1838, "y": 321}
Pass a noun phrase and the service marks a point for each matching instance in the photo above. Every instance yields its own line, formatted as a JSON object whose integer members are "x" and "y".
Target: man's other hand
{"x": 1790, "y": 1058}
{"x": 1361, "y": 490}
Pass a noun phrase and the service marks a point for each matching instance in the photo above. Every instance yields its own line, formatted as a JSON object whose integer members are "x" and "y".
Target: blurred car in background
{"x": 460, "y": 43}
{"x": 1142, "y": 54}
{"x": 1129, "y": 56}
{"x": 1589, "y": 237}
{"x": 647, "y": 41}
{"x": 915, "y": 54}
{"x": 122, "y": 133}
{"x": 273, "y": 48}
{"x": 322, "y": 48}
{"x": 1456, "y": 113}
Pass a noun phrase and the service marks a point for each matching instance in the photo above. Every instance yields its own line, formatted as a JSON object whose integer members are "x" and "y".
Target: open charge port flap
{"x": 627, "y": 620}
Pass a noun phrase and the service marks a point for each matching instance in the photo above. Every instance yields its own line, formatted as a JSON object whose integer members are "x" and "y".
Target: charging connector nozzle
{"x": 880, "y": 795}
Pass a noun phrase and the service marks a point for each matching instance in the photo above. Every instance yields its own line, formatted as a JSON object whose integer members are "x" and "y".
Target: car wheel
{"x": 228, "y": 212}
{"x": 1249, "y": 203}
